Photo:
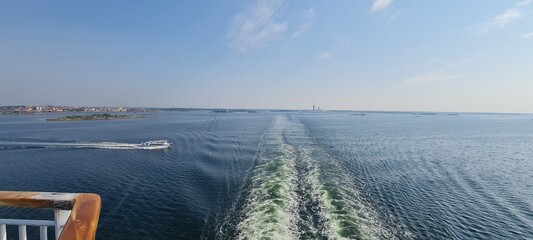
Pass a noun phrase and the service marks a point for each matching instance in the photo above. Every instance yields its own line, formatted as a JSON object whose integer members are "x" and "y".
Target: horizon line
{"x": 277, "y": 109}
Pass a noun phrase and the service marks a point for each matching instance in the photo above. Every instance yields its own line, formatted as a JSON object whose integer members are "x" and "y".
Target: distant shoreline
{"x": 93, "y": 117}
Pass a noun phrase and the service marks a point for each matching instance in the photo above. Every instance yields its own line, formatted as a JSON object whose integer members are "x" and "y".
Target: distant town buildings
{"x": 22, "y": 109}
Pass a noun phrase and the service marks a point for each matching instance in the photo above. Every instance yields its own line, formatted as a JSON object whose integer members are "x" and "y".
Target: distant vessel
{"x": 155, "y": 144}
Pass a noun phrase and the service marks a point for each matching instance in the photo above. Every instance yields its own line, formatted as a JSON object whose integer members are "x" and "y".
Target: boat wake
{"x": 95, "y": 145}
{"x": 298, "y": 191}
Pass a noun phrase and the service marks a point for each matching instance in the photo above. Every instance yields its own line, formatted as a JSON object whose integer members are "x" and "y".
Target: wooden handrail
{"x": 83, "y": 219}
{"x": 85, "y": 209}
{"x": 37, "y": 199}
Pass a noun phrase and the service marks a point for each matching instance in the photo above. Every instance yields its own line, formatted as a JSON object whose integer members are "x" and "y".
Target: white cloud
{"x": 524, "y": 3}
{"x": 257, "y": 25}
{"x": 503, "y": 20}
{"x": 528, "y": 35}
{"x": 337, "y": 46}
{"x": 310, "y": 13}
{"x": 380, "y": 5}
{"x": 301, "y": 30}
{"x": 307, "y": 23}
{"x": 343, "y": 41}
{"x": 394, "y": 16}
{"x": 456, "y": 63}
{"x": 509, "y": 16}
{"x": 436, "y": 76}
{"x": 326, "y": 55}
{"x": 427, "y": 78}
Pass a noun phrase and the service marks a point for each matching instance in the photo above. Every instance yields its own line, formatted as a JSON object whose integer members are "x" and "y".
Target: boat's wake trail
{"x": 298, "y": 191}
{"x": 97, "y": 145}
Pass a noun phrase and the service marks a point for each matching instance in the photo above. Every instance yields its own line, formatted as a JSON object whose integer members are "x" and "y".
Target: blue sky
{"x": 472, "y": 55}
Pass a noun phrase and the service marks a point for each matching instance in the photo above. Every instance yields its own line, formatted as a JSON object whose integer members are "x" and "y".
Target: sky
{"x": 396, "y": 55}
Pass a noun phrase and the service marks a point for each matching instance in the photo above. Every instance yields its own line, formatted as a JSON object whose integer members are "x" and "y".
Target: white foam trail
{"x": 98, "y": 145}
{"x": 346, "y": 213}
{"x": 271, "y": 209}
{"x": 294, "y": 181}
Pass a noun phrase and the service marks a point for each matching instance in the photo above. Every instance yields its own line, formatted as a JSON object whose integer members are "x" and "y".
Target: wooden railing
{"x": 76, "y": 215}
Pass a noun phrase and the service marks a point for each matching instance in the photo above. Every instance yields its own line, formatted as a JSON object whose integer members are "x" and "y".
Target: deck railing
{"x": 76, "y": 215}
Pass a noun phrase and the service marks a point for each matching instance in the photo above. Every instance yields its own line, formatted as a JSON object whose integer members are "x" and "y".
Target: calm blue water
{"x": 284, "y": 175}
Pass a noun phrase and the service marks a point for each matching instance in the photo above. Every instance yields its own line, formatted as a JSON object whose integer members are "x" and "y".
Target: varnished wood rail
{"x": 76, "y": 214}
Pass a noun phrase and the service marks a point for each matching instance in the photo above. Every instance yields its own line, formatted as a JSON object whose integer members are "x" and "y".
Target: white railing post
{"x": 61, "y": 219}
{"x": 22, "y": 232}
{"x": 3, "y": 233}
{"x": 23, "y": 225}
{"x": 44, "y": 232}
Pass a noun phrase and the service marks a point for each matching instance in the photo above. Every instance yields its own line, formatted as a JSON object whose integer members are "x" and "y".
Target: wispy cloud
{"x": 504, "y": 19}
{"x": 326, "y": 55}
{"x": 339, "y": 42}
{"x": 257, "y": 25}
{"x": 427, "y": 78}
{"x": 307, "y": 23}
{"x": 301, "y": 30}
{"x": 380, "y": 5}
{"x": 509, "y": 16}
{"x": 342, "y": 41}
{"x": 417, "y": 49}
{"x": 528, "y": 35}
{"x": 310, "y": 12}
{"x": 435, "y": 76}
{"x": 394, "y": 16}
{"x": 524, "y": 3}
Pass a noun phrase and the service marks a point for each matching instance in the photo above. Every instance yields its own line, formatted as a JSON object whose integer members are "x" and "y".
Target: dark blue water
{"x": 285, "y": 175}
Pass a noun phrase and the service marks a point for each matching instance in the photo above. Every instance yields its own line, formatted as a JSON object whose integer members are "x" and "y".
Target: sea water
{"x": 283, "y": 175}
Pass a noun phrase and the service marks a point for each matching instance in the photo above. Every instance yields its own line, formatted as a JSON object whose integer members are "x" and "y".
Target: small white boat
{"x": 155, "y": 144}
